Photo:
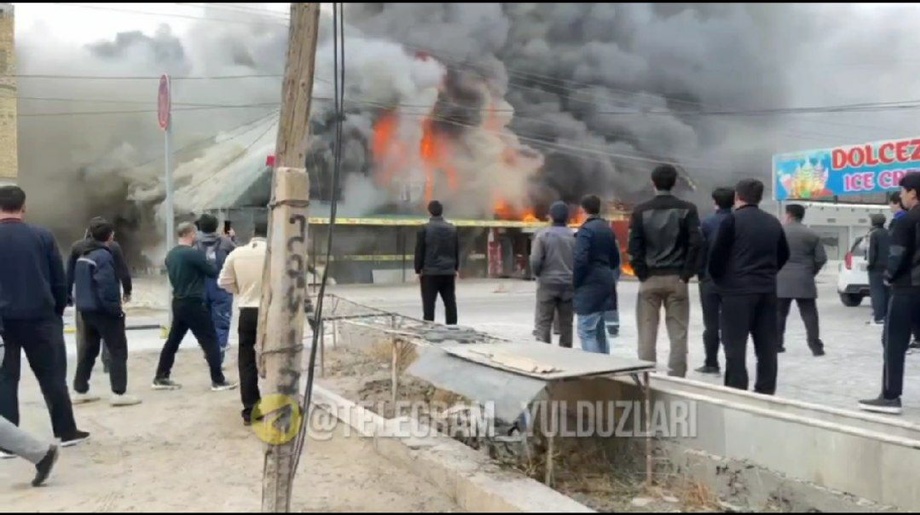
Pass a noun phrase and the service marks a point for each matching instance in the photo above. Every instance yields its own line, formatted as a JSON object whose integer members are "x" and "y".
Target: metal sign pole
{"x": 164, "y": 114}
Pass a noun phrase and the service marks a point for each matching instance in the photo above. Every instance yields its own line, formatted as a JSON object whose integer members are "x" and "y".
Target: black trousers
{"x": 249, "y": 372}
{"x": 43, "y": 343}
{"x": 191, "y": 315}
{"x": 808, "y": 309}
{"x": 98, "y": 327}
{"x": 554, "y": 302}
{"x": 903, "y": 316}
{"x": 81, "y": 342}
{"x": 878, "y": 295}
{"x": 712, "y": 304}
{"x": 445, "y": 286}
{"x": 754, "y": 315}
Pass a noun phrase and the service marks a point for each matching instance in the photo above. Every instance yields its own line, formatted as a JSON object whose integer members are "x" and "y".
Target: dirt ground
{"x": 188, "y": 451}
{"x": 599, "y": 473}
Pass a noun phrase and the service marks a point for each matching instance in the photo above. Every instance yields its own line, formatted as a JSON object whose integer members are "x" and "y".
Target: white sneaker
{"x": 83, "y": 398}
{"x": 6, "y": 455}
{"x": 124, "y": 400}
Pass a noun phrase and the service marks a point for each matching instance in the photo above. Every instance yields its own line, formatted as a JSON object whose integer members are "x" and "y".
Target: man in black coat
{"x": 876, "y": 264}
{"x": 903, "y": 274}
{"x": 437, "y": 263}
{"x": 710, "y": 301}
{"x": 121, "y": 268}
{"x": 748, "y": 251}
{"x": 594, "y": 272}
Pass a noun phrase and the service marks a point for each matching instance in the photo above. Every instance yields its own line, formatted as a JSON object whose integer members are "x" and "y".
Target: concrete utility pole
{"x": 281, "y": 312}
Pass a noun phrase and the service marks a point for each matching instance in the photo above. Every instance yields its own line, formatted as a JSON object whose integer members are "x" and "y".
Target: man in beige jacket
{"x": 242, "y": 276}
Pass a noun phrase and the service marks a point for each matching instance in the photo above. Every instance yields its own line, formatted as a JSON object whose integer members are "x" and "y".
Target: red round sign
{"x": 164, "y": 103}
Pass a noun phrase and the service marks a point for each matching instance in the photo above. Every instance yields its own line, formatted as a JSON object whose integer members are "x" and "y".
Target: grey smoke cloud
{"x": 561, "y": 68}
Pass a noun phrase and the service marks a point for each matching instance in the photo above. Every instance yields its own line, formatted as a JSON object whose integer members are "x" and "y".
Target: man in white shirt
{"x": 242, "y": 276}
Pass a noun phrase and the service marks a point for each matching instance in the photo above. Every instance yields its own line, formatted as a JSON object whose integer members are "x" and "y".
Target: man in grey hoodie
{"x": 552, "y": 259}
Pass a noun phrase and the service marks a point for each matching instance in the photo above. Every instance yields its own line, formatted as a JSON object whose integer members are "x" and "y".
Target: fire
{"x": 627, "y": 269}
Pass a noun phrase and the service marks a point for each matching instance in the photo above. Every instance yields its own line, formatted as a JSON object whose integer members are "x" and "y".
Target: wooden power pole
{"x": 281, "y": 311}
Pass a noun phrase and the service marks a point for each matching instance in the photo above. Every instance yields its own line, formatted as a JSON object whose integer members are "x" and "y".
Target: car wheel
{"x": 851, "y": 300}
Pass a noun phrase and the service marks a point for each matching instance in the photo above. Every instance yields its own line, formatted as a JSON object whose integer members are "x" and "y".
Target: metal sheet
{"x": 564, "y": 363}
{"x": 509, "y": 393}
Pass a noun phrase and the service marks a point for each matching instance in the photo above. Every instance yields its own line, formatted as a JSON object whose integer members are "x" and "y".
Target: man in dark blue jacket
{"x": 216, "y": 248}
{"x": 876, "y": 263}
{"x": 33, "y": 296}
{"x": 597, "y": 260}
{"x": 903, "y": 274}
{"x": 724, "y": 198}
{"x": 97, "y": 297}
{"x": 898, "y": 212}
{"x": 747, "y": 253}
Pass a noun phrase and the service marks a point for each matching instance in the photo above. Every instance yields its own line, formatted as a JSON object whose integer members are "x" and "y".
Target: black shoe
{"x": 709, "y": 370}
{"x": 781, "y": 350}
{"x": 43, "y": 468}
{"x": 75, "y": 438}
{"x": 914, "y": 344}
{"x": 164, "y": 383}
{"x": 817, "y": 351}
{"x": 881, "y": 405}
{"x": 224, "y": 386}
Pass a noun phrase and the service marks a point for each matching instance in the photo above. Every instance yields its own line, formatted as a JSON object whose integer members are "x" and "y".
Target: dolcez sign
{"x": 842, "y": 171}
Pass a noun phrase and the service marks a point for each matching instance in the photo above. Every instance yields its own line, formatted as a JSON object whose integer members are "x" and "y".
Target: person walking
{"x": 796, "y": 280}
{"x": 595, "y": 265}
{"x": 876, "y": 264}
{"x": 710, "y": 300}
{"x": 437, "y": 263}
{"x": 551, "y": 260}
{"x": 903, "y": 274}
{"x": 97, "y": 298}
{"x": 16, "y": 442}
{"x": 242, "y": 277}
{"x": 33, "y": 296}
{"x": 745, "y": 257}
{"x": 124, "y": 275}
{"x": 897, "y": 213}
{"x": 188, "y": 268}
{"x": 216, "y": 247}
{"x": 664, "y": 246}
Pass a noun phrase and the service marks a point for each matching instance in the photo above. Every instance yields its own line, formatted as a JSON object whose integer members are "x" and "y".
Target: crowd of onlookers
{"x": 206, "y": 269}
{"x": 751, "y": 269}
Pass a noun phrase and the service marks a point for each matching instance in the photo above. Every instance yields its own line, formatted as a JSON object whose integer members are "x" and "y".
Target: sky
{"x": 86, "y": 22}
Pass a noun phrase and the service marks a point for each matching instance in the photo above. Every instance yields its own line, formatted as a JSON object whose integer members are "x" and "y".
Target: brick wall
{"x": 9, "y": 163}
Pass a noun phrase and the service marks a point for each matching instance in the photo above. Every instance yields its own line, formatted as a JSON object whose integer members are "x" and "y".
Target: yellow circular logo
{"x": 277, "y": 419}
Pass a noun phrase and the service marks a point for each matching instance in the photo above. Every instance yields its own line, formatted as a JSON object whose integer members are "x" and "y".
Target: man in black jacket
{"x": 710, "y": 301}
{"x": 437, "y": 262}
{"x": 664, "y": 244}
{"x": 876, "y": 263}
{"x": 121, "y": 268}
{"x": 97, "y": 298}
{"x": 748, "y": 251}
{"x": 33, "y": 296}
{"x": 903, "y": 274}
{"x": 897, "y": 212}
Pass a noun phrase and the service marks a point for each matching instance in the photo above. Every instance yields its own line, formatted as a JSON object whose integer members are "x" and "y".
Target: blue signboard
{"x": 842, "y": 171}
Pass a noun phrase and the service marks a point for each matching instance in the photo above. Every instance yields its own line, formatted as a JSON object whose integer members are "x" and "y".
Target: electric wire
{"x": 338, "y": 34}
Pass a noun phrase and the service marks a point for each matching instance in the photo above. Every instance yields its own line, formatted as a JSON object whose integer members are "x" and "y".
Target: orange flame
{"x": 627, "y": 269}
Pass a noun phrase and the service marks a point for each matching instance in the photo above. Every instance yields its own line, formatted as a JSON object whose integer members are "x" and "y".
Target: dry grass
{"x": 382, "y": 350}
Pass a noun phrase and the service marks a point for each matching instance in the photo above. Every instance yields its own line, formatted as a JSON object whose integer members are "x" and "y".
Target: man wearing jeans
{"x": 242, "y": 276}
{"x": 188, "y": 268}
{"x": 597, "y": 260}
{"x": 551, "y": 262}
{"x": 664, "y": 244}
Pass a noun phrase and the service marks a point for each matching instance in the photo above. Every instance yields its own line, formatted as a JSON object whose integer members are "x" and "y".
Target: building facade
{"x": 9, "y": 154}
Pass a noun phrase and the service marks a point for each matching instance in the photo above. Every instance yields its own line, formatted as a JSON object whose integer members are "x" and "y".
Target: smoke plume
{"x": 507, "y": 107}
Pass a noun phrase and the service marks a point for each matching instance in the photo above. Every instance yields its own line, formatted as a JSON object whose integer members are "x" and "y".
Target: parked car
{"x": 853, "y": 279}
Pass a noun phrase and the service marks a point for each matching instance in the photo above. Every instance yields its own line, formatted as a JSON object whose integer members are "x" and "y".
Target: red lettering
{"x": 838, "y": 159}
{"x": 901, "y": 148}
{"x": 857, "y": 157}
{"x": 915, "y": 156}
{"x": 871, "y": 160}
{"x": 885, "y": 153}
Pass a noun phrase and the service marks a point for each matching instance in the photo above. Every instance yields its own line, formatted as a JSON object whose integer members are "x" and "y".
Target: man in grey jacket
{"x": 551, "y": 260}
{"x": 16, "y": 442}
{"x": 796, "y": 280}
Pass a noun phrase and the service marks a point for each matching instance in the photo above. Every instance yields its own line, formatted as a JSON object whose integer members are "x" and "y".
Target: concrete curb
{"x": 470, "y": 478}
